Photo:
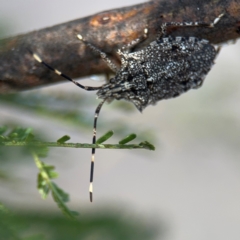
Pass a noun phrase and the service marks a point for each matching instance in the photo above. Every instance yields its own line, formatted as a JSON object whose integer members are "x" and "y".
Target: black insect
{"x": 164, "y": 69}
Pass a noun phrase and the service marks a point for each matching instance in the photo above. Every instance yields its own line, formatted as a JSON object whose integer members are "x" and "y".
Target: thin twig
{"x": 142, "y": 145}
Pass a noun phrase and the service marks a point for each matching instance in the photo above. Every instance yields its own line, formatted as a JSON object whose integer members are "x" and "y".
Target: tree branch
{"x": 109, "y": 31}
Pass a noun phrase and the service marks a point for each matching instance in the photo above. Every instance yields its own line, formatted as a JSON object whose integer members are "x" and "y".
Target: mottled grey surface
{"x": 165, "y": 69}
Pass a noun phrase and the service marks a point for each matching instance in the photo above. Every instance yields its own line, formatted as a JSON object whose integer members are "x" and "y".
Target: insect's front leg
{"x": 102, "y": 54}
{"x": 135, "y": 42}
{"x": 188, "y": 24}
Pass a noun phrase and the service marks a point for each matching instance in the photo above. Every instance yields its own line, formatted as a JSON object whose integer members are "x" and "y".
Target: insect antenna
{"x": 87, "y": 88}
{"x": 97, "y": 111}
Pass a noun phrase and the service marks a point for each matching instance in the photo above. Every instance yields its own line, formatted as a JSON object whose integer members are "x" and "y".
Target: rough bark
{"x": 109, "y": 30}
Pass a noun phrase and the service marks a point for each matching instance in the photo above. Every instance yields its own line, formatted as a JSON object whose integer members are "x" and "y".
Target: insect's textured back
{"x": 164, "y": 69}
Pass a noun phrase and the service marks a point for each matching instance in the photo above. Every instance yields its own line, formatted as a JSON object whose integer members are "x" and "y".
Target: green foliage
{"x": 21, "y": 137}
{"x": 16, "y": 134}
{"x": 7, "y": 230}
{"x": 128, "y": 138}
{"x": 147, "y": 145}
{"x": 63, "y": 139}
{"x": 102, "y": 225}
{"x": 24, "y": 137}
{"x": 105, "y": 137}
{"x": 45, "y": 185}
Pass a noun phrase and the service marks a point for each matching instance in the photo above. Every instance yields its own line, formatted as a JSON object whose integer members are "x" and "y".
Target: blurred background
{"x": 188, "y": 188}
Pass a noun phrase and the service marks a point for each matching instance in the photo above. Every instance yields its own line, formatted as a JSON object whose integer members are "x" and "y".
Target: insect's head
{"x": 134, "y": 91}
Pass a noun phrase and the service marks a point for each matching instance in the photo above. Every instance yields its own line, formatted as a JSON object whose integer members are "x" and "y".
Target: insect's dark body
{"x": 164, "y": 69}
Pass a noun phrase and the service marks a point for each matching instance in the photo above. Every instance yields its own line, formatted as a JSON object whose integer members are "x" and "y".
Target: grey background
{"x": 191, "y": 181}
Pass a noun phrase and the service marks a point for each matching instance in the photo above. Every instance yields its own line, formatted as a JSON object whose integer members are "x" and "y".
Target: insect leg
{"x": 189, "y": 24}
{"x": 123, "y": 51}
{"x": 103, "y": 55}
{"x": 134, "y": 42}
